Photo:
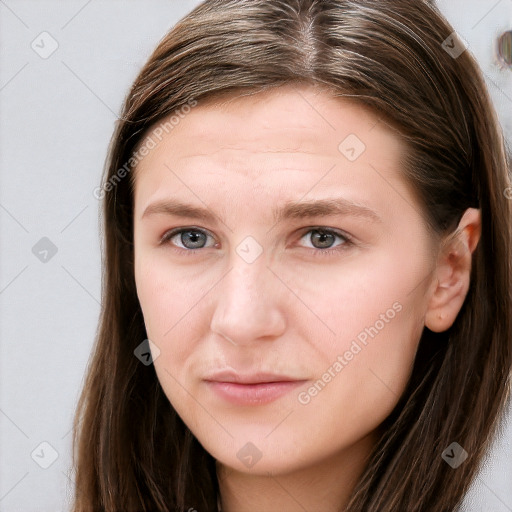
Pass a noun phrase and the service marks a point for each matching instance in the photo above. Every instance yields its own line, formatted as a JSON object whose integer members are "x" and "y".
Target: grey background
{"x": 57, "y": 113}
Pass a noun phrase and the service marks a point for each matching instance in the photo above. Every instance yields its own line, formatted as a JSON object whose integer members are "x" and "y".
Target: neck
{"x": 326, "y": 485}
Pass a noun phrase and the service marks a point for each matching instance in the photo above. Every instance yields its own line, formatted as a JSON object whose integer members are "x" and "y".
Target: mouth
{"x": 251, "y": 389}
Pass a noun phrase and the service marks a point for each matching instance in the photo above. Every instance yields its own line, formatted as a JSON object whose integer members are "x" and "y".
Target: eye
{"x": 187, "y": 238}
{"x": 323, "y": 240}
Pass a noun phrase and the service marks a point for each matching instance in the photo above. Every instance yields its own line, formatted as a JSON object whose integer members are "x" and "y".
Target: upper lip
{"x": 248, "y": 378}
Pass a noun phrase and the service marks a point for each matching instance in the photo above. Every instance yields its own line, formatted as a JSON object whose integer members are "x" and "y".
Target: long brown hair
{"x": 132, "y": 452}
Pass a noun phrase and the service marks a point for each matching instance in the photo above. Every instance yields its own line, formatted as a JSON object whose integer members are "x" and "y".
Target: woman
{"x": 307, "y": 232}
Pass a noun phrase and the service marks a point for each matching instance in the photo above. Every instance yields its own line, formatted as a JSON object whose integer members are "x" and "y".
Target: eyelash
{"x": 347, "y": 240}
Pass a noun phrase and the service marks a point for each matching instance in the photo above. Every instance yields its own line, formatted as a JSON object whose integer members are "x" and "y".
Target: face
{"x": 281, "y": 264}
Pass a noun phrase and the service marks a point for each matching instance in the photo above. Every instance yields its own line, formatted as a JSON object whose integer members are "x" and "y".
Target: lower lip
{"x": 253, "y": 394}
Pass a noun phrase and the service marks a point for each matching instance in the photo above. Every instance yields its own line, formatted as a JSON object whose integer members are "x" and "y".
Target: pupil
{"x": 192, "y": 239}
{"x": 323, "y": 239}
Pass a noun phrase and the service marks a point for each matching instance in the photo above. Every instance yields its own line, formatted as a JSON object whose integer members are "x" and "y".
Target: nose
{"x": 248, "y": 305}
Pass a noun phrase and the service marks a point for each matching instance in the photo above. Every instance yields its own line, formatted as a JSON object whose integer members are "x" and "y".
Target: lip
{"x": 251, "y": 389}
{"x": 249, "y": 378}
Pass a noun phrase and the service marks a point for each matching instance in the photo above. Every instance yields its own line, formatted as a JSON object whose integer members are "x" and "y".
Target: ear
{"x": 453, "y": 271}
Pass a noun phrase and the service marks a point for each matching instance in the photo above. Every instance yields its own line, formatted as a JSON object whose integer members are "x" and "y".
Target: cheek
{"x": 363, "y": 295}
{"x": 166, "y": 293}
{"x": 376, "y": 314}
{"x": 170, "y": 303}
{"x": 173, "y": 302}
{"x": 362, "y": 377}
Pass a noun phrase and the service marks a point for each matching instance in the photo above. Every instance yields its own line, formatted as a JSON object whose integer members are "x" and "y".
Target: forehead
{"x": 276, "y": 145}
{"x": 291, "y": 121}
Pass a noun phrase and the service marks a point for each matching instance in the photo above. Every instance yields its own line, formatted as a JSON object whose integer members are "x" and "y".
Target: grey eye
{"x": 189, "y": 239}
{"x": 322, "y": 239}
{"x": 192, "y": 239}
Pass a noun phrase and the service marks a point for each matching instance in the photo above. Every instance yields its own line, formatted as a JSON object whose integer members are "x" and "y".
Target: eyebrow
{"x": 290, "y": 210}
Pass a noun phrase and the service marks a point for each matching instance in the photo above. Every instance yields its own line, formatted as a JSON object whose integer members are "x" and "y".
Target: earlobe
{"x": 452, "y": 275}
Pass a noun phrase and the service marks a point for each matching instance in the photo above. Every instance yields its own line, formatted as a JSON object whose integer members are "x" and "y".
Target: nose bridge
{"x": 247, "y": 305}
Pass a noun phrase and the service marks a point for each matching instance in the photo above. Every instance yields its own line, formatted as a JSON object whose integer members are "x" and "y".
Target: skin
{"x": 290, "y": 311}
